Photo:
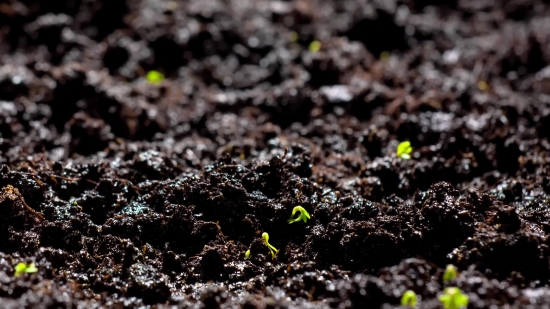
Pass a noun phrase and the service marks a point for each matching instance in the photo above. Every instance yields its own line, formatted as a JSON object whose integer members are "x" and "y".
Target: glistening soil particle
{"x": 130, "y": 194}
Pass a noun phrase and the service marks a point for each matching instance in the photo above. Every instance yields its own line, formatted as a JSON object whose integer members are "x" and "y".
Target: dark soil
{"x": 128, "y": 194}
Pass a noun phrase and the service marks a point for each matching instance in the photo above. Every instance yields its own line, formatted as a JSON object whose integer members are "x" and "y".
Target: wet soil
{"x": 128, "y": 194}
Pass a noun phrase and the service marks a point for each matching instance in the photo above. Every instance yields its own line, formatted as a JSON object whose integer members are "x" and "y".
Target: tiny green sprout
{"x": 294, "y": 37}
{"x": 304, "y": 215}
{"x": 23, "y": 268}
{"x": 450, "y": 273}
{"x": 385, "y": 55}
{"x": 247, "y": 254}
{"x": 273, "y": 250}
{"x": 409, "y": 299}
{"x": 483, "y": 85}
{"x": 404, "y": 150}
{"x": 314, "y": 46}
{"x": 453, "y": 298}
{"x": 155, "y": 77}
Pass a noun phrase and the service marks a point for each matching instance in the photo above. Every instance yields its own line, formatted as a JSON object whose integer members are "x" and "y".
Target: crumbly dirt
{"x": 128, "y": 194}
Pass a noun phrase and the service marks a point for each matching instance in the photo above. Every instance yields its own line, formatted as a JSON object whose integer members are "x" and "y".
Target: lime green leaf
{"x": 315, "y": 46}
{"x": 155, "y": 77}
{"x": 404, "y": 150}
{"x": 409, "y": 299}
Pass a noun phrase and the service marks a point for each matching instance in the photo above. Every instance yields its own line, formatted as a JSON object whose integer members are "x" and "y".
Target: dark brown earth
{"x": 128, "y": 194}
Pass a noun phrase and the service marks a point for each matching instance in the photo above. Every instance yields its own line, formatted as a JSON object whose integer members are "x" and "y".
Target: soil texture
{"x": 126, "y": 193}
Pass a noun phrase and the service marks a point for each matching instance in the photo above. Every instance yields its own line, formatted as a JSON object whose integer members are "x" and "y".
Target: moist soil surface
{"x": 130, "y": 194}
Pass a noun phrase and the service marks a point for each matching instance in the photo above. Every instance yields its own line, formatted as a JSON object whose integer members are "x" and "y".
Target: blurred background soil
{"x": 127, "y": 193}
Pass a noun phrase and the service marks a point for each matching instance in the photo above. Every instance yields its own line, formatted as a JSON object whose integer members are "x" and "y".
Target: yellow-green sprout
{"x": 482, "y": 85}
{"x": 247, "y": 254}
{"x": 315, "y": 46}
{"x": 450, "y": 273}
{"x": 304, "y": 215}
{"x": 294, "y": 37}
{"x": 385, "y": 55}
{"x": 453, "y": 298}
{"x": 273, "y": 250}
{"x": 154, "y": 77}
{"x": 409, "y": 299}
{"x": 404, "y": 150}
{"x": 23, "y": 268}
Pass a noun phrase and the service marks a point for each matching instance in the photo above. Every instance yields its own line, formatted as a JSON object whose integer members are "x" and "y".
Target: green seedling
{"x": 453, "y": 298}
{"x": 482, "y": 85}
{"x": 315, "y": 46}
{"x": 304, "y": 215}
{"x": 247, "y": 254}
{"x": 23, "y": 268}
{"x": 273, "y": 250}
{"x": 404, "y": 150}
{"x": 154, "y": 77}
{"x": 294, "y": 37}
{"x": 409, "y": 299}
{"x": 450, "y": 273}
